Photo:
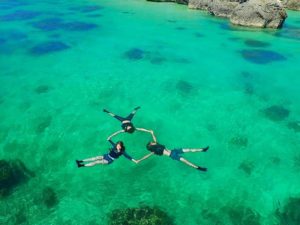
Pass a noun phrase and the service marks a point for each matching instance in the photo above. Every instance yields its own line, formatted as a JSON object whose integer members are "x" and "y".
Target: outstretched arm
{"x": 130, "y": 158}
{"x": 108, "y": 112}
{"x": 114, "y": 134}
{"x": 148, "y": 131}
{"x": 145, "y": 157}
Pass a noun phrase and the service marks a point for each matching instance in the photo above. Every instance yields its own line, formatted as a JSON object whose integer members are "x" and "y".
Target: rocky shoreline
{"x": 250, "y": 13}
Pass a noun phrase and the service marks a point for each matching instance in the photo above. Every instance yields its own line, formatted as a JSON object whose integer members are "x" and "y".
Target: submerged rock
{"x": 240, "y": 215}
{"x": 295, "y": 125}
{"x": 199, "y": 4}
{"x": 259, "y": 56}
{"x": 12, "y": 173}
{"x": 239, "y": 141}
{"x": 247, "y": 166}
{"x": 290, "y": 214}
{"x": 256, "y": 43}
{"x": 140, "y": 216}
{"x": 222, "y": 8}
{"x": 291, "y": 4}
{"x": 259, "y": 13}
{"x": 276, "y": 113}
{"x": 176, "y": 1}
{"x": 49, "y": 197}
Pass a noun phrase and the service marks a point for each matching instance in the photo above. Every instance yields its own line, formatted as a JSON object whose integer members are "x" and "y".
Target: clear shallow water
{"x": 199, "y": 81}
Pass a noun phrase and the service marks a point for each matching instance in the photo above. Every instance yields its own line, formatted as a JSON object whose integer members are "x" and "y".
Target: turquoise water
{"x": 199, "y": 82}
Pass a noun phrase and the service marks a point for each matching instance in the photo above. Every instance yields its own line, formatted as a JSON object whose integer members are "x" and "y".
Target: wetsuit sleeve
{"x": 112, "y": 143}
{"x": 127, "y": 156}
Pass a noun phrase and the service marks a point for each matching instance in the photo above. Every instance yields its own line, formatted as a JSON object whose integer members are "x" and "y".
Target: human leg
{"x": 130, "y": 116}
{"x": 195, "y": 149}
{"x": 114, "y": 115}
{"x": 192, "y": 165}
{"x": 102, "y": 161}
{"x": 93, "y": 159}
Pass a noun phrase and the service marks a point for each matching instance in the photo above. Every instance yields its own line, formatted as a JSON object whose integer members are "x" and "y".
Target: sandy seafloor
{"x": 198, "y": 80}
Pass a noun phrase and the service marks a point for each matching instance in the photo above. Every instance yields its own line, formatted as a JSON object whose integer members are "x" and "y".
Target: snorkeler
{"x": 115, "y": 152}
{"x": 127, "y": 125}
{"x": 158, "y": 149}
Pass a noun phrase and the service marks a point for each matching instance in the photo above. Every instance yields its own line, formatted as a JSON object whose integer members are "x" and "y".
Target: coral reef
{"x": 140, "y": 216}
{"x": 12, "y": 173}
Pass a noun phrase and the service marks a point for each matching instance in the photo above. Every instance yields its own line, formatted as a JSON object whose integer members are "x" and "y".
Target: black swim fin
{"x": 79, "y": 163}
{"x": 205, "y": 149}
{"x": 202, "y": 168}
{"x": 136, "y": 108}
{"x": 104, "y": 110}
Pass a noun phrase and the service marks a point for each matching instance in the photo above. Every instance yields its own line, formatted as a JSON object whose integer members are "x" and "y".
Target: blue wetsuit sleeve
{"x": 112, "y": 143}
{"x": 127, "y": 156}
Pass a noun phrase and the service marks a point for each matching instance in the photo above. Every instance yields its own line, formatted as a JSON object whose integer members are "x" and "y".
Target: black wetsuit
{"x": 128, "y": 118}
{"x": 114, "y": 153}
{"x": 157, "y": 149}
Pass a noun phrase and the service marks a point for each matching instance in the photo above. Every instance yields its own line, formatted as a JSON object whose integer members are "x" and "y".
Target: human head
{"x": 149, "y": 145}
{"x": 120, "y": 146}
{"x": 130, "y": 129}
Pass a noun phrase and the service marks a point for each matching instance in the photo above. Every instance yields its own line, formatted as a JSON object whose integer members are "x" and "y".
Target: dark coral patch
{"x": 241, "y": 215}
{"x": 42, "y": 89}
{"x": 290, "y": 214}
{"x": 248, "y": 88}
{"x": 184, "y": 86}
{"x": 2, "y": 41}
{"x": 295, "y": 125}
{"x": 297, "y": 161}
{"x": 20, "y": 15}
{"x": 239, "y": 141}
{"x": 255, "y": 43}
{"x": 49, "y": 197}
{"x": 12, "y": 173}
{"x": 94, "y": 15}
{"x": 247, "y": 167}
{"x": 86, "y": 9}
{"x": 138, "y": 216}
{"x": 79, "y": 26}
{"x": 48, "y": 47}
{"x": 290, "y": 33}
{"x": 12, "y": 35}
{"x": 197, "y": 34}
{"x": 158, "y": 60}
{"x": 49, "y": 24}
{"x": 134, "y": 54}
{"x": 9, "y": 4}
{"x": 42, "y": 124}
{"x": 180, "y": 28}
{"x": 259, "y": 56}
{"x": 276, "y": 113}
{"x": 172, "y": 21}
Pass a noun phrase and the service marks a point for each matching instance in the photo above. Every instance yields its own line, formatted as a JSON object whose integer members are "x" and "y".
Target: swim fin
{"x": 205, "y": 149}
{"x": 202, "y": 168}
{"x": 79, "y": 163}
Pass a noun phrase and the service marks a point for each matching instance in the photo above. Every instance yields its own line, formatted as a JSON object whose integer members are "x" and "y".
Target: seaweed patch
{"x": 20, "y": 15}
{"x": 134, "y": 54}
{"x": 48, "y": 47}
{"x": 256, "y": 43}
{"x": 261, "y": 56}
{"x": 276, "y": 113}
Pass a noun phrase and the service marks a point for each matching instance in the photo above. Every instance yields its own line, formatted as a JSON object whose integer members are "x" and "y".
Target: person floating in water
{"x": 175, "y": 154}
{"x": 127, "y": 125}
{"x": 115, "y": 152}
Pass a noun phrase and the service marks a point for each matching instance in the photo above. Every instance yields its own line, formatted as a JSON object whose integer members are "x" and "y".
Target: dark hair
{"x": 149, "y": 146}
{"x": 122, "y": 145}
{"x": 131, "y": 129}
